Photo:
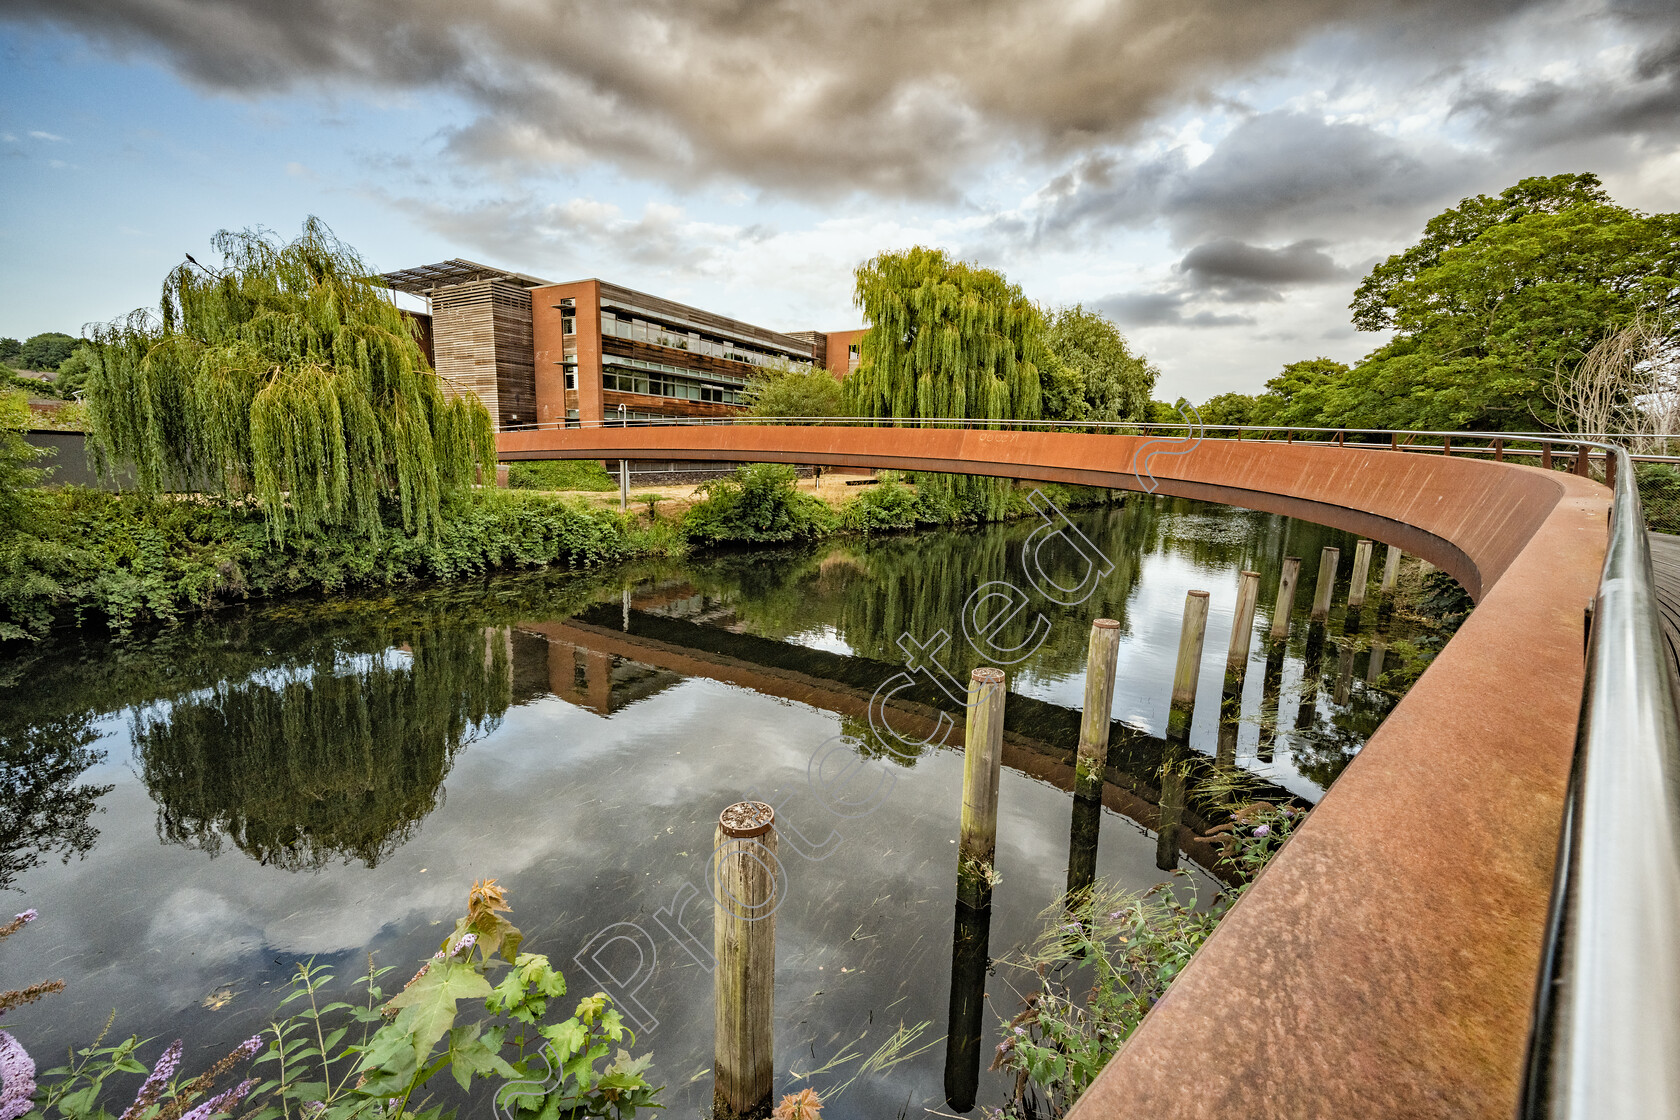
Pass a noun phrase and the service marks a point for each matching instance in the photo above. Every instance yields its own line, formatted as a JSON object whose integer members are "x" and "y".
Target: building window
{"x": 568, "y": 324}
{"x": 572, "y": 420}
{"x": 571, "y": 377}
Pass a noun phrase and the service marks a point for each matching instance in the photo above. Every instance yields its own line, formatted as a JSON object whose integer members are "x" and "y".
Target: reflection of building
{"x": 587, "y": 350}
{"x": 592, "y": 678}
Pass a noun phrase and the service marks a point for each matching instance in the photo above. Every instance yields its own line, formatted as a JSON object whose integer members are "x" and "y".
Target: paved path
{"x": 1665, "y": 564}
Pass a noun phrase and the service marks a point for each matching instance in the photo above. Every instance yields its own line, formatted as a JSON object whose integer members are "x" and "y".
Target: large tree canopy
{"x": 288, "y": 376}
{"x": 1499, "y": 296}
{"x": 1095, "y": 375}
{"x": 945, "y": 338}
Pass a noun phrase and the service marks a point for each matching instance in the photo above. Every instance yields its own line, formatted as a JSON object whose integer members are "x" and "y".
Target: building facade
{"x": 587, "y": 352}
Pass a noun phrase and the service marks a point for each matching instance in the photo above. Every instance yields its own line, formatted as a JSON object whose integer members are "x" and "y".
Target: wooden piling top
{"x": 986, "y": 675}
{"x": 1106, "y": 624}
{"x": 747, "y": 818}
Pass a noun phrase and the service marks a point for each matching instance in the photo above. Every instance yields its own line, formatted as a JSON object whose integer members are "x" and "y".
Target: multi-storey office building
{"x": 588, "y": 351}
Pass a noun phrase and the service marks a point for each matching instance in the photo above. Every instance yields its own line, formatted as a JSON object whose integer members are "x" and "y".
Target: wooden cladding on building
{"x": 481, "y": 335}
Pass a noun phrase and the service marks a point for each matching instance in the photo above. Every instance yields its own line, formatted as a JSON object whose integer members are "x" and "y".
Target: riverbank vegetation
{"x": 376, "y": 1054}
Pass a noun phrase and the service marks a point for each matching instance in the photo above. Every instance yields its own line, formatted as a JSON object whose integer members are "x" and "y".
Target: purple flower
{"x": 1020, "y": 1030}
{"x": 464, "y": 946}
{"x": 153, "y": 1087}
{"x": 28, "y": 915}
{"x": 1073, "y": 927}
{"x": 17, "y": 1078}
{"x": 222, "y": 1102}
{"x": 248, "y": 1047}
{"x": 1263, "y": 830}
{"x": 1115, "y": 917}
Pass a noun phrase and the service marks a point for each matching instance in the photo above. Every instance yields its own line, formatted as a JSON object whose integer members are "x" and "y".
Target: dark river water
{"x": 196, "y": 811}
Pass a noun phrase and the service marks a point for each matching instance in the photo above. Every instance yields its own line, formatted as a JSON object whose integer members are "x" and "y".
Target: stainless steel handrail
{"x": 1605, "y": 1038}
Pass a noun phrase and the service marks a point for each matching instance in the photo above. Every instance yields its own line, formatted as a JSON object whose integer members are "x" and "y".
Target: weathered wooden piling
{"x": 1242, "y": 629}
{"x": 624, "y": 484}
{"x": 1391, "y": 568}
{"x": 1098, "y": 717}
{"x": 1328, "y": 560}
{"x": 1236, "y": 667}
{"x": 982, "y": 759}
{"x": 1425, "y": 567}
{"x": 1285, "y": 604}
{"x": 1361, "y": 574}
{"x": 744, "y": 884}
{"x": 1185, "y": 675}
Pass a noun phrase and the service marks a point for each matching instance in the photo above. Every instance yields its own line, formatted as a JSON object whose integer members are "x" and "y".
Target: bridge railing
{"x": 1605, "y": 1038}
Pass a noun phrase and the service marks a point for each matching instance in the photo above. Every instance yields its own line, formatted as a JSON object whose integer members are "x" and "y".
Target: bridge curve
{"x": 1385, "y": 962}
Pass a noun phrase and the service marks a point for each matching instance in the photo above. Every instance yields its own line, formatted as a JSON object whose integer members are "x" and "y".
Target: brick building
{"x": 587, "y": 351}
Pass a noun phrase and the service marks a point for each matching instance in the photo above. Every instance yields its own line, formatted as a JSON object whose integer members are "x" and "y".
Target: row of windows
{"x": 666, "y": 367}
{"x": 666, "y": 385}
{"x": 640, "y": 330}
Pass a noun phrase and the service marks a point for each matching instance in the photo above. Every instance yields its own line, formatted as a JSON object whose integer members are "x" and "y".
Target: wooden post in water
{"x": 982, "y": 759}
{"x": 744, "y": 885}
{"x": 1327, "y": 563}
{"x": 1099, "y": 709}
{"x": 1285, "y": 597}
{"x": 624, "y": 484}
{"x": 1361, "y": 574}
{"x": 1236, "y": 667}
{"x": 1391, "y": 568}
{"x": 1185, "y": 674}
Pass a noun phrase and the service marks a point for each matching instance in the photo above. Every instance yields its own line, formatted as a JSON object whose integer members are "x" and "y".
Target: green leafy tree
{"x": 1099, "y": 377}
{"x": 946, "y": 339}
{"x": 288, "y": 376}
{"x": 795, "y": 391}
{"x": 18, "y": 472}
{"x": 1300, "y": 394}
{"x": 45, "y": 352}
{"x": 9, "y": 350}
{"x": 1499, "y": 295}
{"x": 73, "y": 371}
{"x": 1230, "y": 408}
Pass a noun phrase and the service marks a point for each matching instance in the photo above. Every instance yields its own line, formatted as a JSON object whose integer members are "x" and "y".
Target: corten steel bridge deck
{"x": 1482, "y": 916}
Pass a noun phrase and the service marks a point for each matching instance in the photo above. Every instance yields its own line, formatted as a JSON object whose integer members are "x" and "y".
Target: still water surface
{"x": 325, "y": 779}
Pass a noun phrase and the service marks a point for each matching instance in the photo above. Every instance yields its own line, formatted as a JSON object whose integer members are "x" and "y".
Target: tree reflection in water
{"x": 43, "y": 809}
{"x": 340, "y": 760}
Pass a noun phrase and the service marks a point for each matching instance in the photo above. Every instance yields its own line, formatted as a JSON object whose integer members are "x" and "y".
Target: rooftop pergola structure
{"x": 423, "y": 280}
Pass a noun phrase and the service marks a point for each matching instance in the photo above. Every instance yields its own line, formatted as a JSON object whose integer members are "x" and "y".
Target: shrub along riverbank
{"x": 81, "y": 556}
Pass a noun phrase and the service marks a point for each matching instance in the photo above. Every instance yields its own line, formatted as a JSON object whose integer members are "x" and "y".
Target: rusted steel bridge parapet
{"x": 1385, "y": 962}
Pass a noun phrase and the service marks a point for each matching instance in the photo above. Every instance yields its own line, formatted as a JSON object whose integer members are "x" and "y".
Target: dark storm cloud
{"x": 1162, "y": 309}
{"x": 1244, "y": 273}
{"x": 1642, "y": 103}
{"x": 879, "y": 95}
{"x": 1281, "y": 172}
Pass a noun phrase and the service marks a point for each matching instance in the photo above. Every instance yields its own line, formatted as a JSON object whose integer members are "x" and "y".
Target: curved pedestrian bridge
{"x": 1386, "y": 962}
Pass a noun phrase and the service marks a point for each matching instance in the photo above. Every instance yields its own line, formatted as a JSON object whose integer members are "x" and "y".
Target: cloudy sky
{"x": 1215, "y": 175}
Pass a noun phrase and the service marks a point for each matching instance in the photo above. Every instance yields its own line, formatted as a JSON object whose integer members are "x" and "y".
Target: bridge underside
{"x": 1384, "y": 963}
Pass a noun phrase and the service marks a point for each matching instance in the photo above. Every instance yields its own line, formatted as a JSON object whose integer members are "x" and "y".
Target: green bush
{"x": 882, "y": 508}
{"x": 759, "y": 504}
{"x": 127, "y": 559}
{"x": 561, "y": 474}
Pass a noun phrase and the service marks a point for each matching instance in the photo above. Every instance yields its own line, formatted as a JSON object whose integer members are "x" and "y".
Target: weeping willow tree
{"x": 947, "y": 339}
{"x": 287, "y": 376}
{"x": 340, "y": 762}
